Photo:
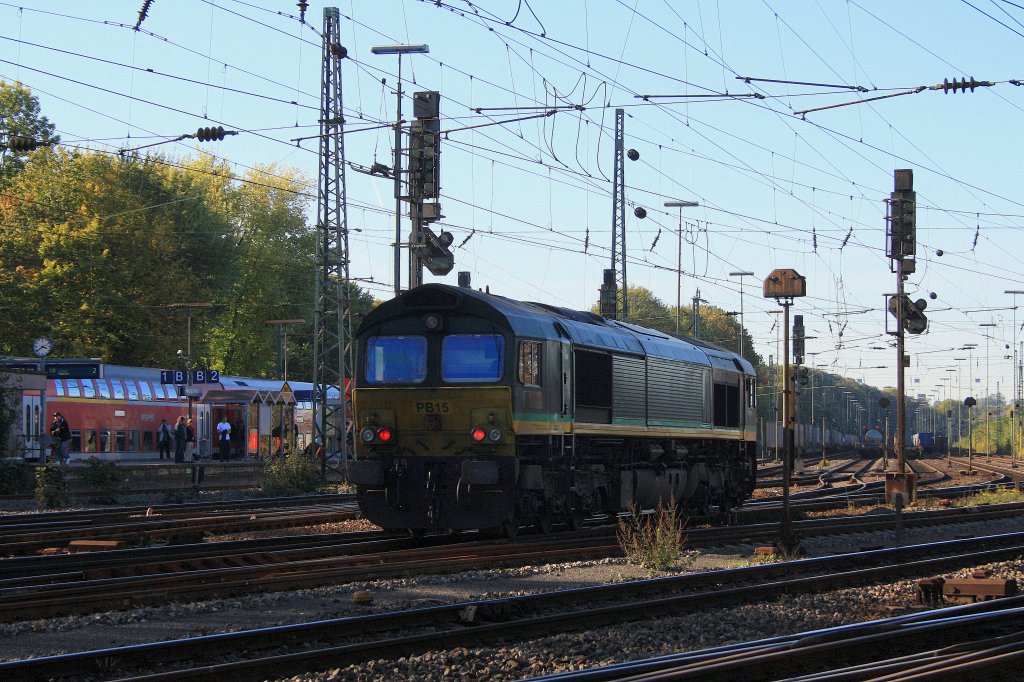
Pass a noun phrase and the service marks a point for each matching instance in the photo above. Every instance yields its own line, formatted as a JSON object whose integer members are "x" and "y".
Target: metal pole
{"x": 679, "y": 252}
{"x": 741, "y": 274}
{"x": 398, "y": 185}
{"x": 786, "y": 532}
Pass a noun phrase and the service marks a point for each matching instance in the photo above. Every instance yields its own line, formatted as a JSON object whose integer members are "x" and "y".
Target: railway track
{"x": 32, "y": 587}
{"x": 27, "y": 533}
{"x": 952, "y": 643}
{"x": 339, "y": 642}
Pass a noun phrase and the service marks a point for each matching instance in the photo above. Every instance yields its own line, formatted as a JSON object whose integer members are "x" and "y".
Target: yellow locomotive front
{"x": 433, "y": 425}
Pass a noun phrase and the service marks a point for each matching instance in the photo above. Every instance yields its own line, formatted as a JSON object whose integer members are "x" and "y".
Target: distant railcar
{"x": 477, "y": 411}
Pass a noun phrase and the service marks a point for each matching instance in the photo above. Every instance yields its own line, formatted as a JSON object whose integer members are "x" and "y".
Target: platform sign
{"x": 206, "y": 376}
{"x": 198, "y": 376}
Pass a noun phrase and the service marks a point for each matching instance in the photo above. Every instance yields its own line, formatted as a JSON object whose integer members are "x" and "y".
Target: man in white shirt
{"x": 224, "y": 437}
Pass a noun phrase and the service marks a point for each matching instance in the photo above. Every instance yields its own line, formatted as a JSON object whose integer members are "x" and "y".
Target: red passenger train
{"x": 115, "y": 416}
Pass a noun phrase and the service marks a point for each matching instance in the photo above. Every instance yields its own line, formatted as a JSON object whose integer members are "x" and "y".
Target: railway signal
{"x": 784, "y": 285}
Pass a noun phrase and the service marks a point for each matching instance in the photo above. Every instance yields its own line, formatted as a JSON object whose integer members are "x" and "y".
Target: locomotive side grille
{"x": 628, "y": 378}
{"x": 675, "y": 392}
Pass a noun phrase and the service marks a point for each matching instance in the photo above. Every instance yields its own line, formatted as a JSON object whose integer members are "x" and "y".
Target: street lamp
{"x": 679, "y": 258}
{"x": 741, "y": 274}
{"x": 399, "y": 49}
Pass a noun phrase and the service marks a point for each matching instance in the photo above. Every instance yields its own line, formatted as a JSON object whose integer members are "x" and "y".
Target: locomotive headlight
{"x": 367, "y": 435}
{"x": 495, "y": 434}
{"x": 385, "y": 435}
{"x": 432, "y": 322}
{"x": 478, "y": 434}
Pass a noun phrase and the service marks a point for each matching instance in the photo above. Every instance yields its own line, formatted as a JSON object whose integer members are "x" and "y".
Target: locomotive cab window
{"x": 472, "y": 357}
{"x": 529, "y": 362}
{"x": 396, "y": 360}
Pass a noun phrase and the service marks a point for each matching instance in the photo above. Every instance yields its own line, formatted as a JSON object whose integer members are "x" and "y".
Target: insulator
{"x": 303, "y": 6}
{"x": 21, "y": 144}
{"x": 210, "y": 134}
{"x": 633, "y": 154}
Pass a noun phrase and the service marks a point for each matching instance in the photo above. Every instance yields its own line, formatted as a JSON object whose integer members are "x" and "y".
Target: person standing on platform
{"x": 163, "y": 439}
{"x": 180, "y": 438}
{"x": 190, "y": 442}
{"x": 224, "y": 438}
{"x": 60, "y": 433}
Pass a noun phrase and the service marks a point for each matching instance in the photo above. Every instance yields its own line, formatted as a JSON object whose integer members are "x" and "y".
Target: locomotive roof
{"x": 541, "y": 320}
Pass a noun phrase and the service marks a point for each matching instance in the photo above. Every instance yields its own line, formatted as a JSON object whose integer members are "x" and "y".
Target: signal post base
{"x": 900, "y": 483}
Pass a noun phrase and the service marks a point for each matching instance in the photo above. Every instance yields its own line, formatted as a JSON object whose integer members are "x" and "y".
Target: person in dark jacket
{"x": 164, "y": 437}
{"x": 180, "y": 439}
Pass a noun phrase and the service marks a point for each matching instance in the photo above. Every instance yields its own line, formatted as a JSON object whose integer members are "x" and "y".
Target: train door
{"x": 33, "y": 432}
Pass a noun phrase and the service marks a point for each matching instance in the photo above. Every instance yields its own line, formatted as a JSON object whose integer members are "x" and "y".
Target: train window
{"x": 89, "y": 441}
{"x": 158, "y": 391}
{"x": 472, "y": 357}
{"x": 144, "y": 389}
{"x": 529, "y": 362}
{"x": 396, "y": 359}
{"x": 120, "y": 441}
{"x": 58, "y": 385}
{"x": 133, "y": 391}
{"x": 133, "y": 441}
{"x": 88, "y": 389}
{"x": 104, "y": 388}
{"x": 147, "y": 440}
{"x": 75, "y": 444}
{"x": 118, "y": 389}
{"x": 106, "y": 442}
{"x": 73, "y": 391}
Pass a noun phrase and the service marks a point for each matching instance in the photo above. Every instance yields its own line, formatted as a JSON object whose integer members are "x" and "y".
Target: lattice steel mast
{"x": 332, "y": 337}
{"x": 619, "y": 215}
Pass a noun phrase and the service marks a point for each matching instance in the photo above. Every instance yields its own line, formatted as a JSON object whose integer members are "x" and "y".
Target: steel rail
{"x": 529, "y": 615}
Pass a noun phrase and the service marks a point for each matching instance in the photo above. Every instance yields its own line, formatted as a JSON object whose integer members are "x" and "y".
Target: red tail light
{"x": 478, "y": 434}
{"x": 385, "y": 435}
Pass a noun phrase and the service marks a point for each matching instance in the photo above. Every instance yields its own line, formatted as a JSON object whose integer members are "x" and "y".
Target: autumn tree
{"x": 20, "y": 117}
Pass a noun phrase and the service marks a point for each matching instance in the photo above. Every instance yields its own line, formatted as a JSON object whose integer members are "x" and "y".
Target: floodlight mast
{"x": 679, "y": 258}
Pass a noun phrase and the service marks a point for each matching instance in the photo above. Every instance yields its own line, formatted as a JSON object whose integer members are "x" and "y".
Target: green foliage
{"x": 15, "y": 478}
{"x": 654, "y": 542}
{"x": 20, "y": 117}
{"x": 9, "y": 397}
{"x": 104, "y": 480}
{"x": 293, "y": 475}
{"x": 51, "y": 489}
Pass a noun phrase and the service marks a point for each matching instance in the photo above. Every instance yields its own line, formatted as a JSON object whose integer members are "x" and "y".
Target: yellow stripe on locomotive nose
{"x": 435, "y": 420}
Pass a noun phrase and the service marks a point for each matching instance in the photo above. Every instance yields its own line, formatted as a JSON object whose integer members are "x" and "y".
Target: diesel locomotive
{"x": 475, "y": 411}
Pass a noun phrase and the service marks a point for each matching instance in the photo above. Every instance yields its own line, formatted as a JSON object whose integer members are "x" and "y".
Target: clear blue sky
{"x": 533, "y": 197}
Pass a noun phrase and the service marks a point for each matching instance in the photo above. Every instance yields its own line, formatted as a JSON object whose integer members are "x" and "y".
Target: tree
{"x": 94, "y": 252}
{"x": 20, "y": 117}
